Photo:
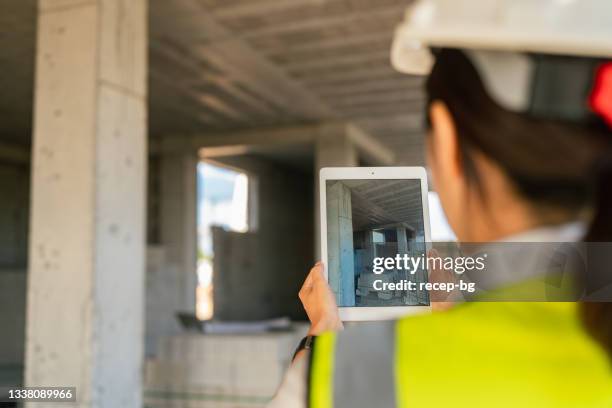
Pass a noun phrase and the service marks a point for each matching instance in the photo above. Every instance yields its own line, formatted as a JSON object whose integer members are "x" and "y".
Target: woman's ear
{"x": 445, "y": 143}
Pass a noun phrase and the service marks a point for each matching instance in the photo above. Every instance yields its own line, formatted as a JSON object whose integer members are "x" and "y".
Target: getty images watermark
{"x": 497, "y": 271}
{"x": 412, "y": 264}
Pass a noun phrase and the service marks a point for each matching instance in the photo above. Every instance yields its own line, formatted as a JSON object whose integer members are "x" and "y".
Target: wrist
{"x": 325, "y": 325}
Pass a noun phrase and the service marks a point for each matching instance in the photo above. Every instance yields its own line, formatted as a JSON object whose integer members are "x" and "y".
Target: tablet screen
{"x": 375, "y": 233}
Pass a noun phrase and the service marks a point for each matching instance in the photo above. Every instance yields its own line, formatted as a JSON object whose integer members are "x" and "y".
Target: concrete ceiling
{"x": 381, "y": 203}
{"x": 218, "y": 65}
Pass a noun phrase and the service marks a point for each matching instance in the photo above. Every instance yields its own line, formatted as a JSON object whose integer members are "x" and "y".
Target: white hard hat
{"x": 566, "y": 27}
{"x": 519, "y": 48}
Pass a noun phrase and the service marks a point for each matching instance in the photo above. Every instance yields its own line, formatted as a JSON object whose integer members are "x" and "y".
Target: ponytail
{"x": 597, "y": 317}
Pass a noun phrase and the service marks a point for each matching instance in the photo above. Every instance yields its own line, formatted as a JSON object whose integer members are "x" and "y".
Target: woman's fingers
{"x": 317, "y": 273}
{"x": 319, "y": 302}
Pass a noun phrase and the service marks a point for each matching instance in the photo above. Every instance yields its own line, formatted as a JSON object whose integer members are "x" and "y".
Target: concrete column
{"x": 171, "y": 270}
{"x": 333, "y": 148}
{"x": 402, "y": 240}
{"x": 340, "y": 244}
{"x": 86, "y": 255}
{"x": 178, "y": 224}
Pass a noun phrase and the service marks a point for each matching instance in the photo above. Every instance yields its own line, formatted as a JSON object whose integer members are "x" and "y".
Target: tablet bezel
{"x": 372, "y": 173}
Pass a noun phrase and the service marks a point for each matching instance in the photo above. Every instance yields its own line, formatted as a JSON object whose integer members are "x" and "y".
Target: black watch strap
{"x": 305, "y": 344}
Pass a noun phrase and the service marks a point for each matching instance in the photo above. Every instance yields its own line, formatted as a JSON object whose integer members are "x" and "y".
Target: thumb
{"x": 317, "y": 272}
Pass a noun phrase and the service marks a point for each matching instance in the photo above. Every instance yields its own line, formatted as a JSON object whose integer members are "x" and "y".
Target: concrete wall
{"x": 172, "y": 239}
{"x": 12, "y": 322}
{"x": 266, "y": 267}
{"x": 14, "y": 206}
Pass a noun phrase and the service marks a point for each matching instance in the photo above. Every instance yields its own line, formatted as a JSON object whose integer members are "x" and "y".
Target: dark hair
{"x": 553, "y": 164}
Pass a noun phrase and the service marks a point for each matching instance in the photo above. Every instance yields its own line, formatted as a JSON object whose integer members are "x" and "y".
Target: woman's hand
{"x": 319, "y": 302}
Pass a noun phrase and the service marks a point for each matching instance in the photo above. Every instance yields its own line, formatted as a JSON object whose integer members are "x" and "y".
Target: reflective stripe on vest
{"x": 355, "y": 353}
{"x": 478, "y": 355}
{"x": 323, "y": 352}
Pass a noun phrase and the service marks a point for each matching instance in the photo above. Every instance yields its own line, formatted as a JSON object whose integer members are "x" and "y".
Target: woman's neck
{"x": 512, "y": 219}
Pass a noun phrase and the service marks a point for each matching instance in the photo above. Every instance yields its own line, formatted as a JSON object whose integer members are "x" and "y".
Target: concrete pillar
{"x": 333, "y": 148}
{"x": 402, "y": 240}
{"x": 340, "y": 251}
{"x": 86, "y": 255}
{"x": 178, "y": 224}
{"x": 172, "y": 262}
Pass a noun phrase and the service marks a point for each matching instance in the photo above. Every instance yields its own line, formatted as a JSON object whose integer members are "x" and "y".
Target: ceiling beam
{"x": 240, "y": 142}
{"x": 262, "y": 136}
{"x": 370, "y": 148}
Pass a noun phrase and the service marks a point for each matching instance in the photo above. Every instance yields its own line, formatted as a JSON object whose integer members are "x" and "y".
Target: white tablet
{"x": 374, "y": 226}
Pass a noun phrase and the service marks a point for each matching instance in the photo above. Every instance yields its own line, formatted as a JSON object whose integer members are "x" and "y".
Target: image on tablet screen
{"x": 369, "y": 219}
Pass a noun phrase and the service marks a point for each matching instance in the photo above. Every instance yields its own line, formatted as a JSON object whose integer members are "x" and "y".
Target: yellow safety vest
{"x": 481, "y": 354}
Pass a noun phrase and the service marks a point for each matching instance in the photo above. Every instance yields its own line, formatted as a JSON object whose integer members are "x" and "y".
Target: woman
{"x": 543, "y": 173}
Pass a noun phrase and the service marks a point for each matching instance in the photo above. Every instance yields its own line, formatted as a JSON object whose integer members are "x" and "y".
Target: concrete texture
{"x": 209, "y": 371}
{"x": 86, "y": 259}
{"x": 171, "y": 277}
{"x": 266, "y": 267}
{"x": 340, "y": 243}
{"x": 333, "y": 148}
{"x": 178, "y": 222}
